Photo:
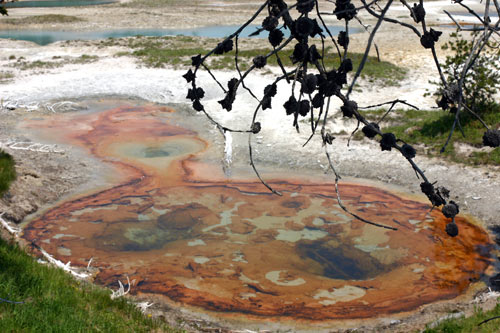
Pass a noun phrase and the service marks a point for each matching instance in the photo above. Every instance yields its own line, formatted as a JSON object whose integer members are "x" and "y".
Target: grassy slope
{"x": 7, "y": 171}
{"x": 54, "y": 301}
{"x": 162, "y": 51}
{"x": 428, "y": 131}
{"x": 57, "y": 62}
{"x": 42, "y": 19}
{"x": 470, "y": 324}
{"x": 150, "y": 3}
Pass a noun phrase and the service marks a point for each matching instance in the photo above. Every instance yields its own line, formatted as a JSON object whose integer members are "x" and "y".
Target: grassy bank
{"x": 177, "y": 51}
{"x": 428, "y": 131}
{"x": 5, "y": 76}
{"x": 42, "y": 19}
{"x": 470, "y": 324}
{"x": 53, "y": 301}
{"x": 7, "y": 171}
{"x": 153, "y": 3}
{"x": 56, "y": 62}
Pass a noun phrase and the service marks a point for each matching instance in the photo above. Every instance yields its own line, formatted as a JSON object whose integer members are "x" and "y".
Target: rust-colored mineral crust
{"x": 231, "y": 246}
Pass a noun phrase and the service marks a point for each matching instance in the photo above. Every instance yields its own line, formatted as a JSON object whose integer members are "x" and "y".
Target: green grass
{"x": 22, "y": 64}
{"x": 492, "y": 157}
{"x": 159, "y": 52}
{"x": 84, "y": 59}
{"x": 373, "y": 69}
{"x": 428, "y": 131}
{"x": 54, "y": 301}
{"x": 159, "y": 57}
{"x": 7, "y": 171}
{"x": 43, "y": 19}
{"x": 38, "y": 64}
{"x": 162, "y": 51}
{"x": 5, "y": 76}
{"x": 469, "y": 324}
{"x": 150, "y": 3}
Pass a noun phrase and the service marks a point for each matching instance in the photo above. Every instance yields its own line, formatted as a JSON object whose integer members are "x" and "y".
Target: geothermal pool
{"x": 44, "y": 37}
{"x": 173, "y": 223}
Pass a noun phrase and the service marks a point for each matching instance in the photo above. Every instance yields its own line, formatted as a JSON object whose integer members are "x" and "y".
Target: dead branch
{"x": 313, "y": 85}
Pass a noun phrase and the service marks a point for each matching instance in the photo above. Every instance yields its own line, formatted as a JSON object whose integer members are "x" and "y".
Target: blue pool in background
{"x": 44, "y": 37}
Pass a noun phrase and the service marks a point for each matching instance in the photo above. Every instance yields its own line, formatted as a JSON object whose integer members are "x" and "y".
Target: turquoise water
{"x": 55, "y": 3}
{"x": 44, "y": 37}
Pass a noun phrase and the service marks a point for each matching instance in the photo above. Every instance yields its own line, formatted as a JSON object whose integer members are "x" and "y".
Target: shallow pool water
{"x": 44, "y": 37}
{"x": 180, "y": 229}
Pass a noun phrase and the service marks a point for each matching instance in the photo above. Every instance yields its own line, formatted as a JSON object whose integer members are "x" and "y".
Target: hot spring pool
{"x": 44, "y": 37}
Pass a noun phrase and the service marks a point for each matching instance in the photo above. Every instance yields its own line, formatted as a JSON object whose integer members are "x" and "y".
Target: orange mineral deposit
{"x": 231, "y": 246}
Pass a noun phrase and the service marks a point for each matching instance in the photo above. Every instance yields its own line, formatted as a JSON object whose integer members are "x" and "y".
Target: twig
{"x": 368, "y": 46}
{"x": 3, "y": 300}
{"x": 66, "y": 267}
{"x": 396, "y": 101}
{"x": 487, "y": 320}
{"x": 121, "y": 290}
{"x": 255, "y": 169}
{"x": 12, "y": 230}
{"x": 339, "y": 199}
{"x": 328, "y": 83}
{"x": 381, "y": 16}
{"x": 477, "y": 116}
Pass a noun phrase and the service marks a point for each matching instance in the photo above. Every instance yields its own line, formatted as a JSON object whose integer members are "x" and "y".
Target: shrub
{"x": 483, "y": 78}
